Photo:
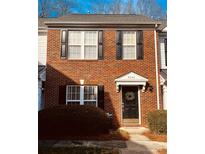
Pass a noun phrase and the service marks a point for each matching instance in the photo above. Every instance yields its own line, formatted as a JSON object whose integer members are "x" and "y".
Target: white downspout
{"x": 156, "y": 60}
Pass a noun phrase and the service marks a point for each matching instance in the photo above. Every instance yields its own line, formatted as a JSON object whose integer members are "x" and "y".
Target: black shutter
{"x": 64, "y": 44}
{"x": 100, "y": 45}
{"x": 62, "y": 95}
{"x": 119, "y": 45}
{"x": 101, "y": 96}
{"x": 140, "y": 48}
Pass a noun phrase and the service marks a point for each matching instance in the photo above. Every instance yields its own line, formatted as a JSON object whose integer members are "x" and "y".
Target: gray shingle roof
{"x": 41, "y": 21}
{"x": 163, "y": 25}
{"x": 103, "y": 19}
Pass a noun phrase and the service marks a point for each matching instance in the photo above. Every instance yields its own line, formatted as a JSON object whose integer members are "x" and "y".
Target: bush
{"x": 72, "y": 120}
{"x": 157, "y": 121}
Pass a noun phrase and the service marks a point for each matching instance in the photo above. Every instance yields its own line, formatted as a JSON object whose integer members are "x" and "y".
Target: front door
{"x": 130, "y": 102}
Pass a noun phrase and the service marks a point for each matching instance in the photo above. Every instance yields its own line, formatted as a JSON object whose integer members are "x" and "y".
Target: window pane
{"x": 74, "y": 38}
{"x": 90, "y": 93}
{"x": 90, "y": 52}
{"x": 63, "y": 50}
{"x": 90, "y": 37}
{"x": 73, "y": 103}
{"x": 129, "y": 38}
{"x": 129, "y": 52}
{"x": 74, "y": 52}
{"x": 63, "y": 36}
{"x": 90, "y": 103}
{"x": 73, "y": 93}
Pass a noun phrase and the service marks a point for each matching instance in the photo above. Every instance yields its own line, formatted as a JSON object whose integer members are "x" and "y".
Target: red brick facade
{"x": 101, "y": 72}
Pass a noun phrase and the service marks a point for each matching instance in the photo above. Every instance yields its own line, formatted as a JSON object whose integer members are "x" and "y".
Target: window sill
{"x": 131, "y": 59}
{"x": 82, "y": 60}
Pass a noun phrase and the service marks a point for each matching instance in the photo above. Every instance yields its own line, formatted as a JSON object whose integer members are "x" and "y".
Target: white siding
{"x": 42, "y": 48}
{"x": 162, "y": 53}
{"x": 164, "y": 97}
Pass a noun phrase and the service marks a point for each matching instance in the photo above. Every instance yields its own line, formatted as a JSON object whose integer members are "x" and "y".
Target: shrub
{"x": 72, "y": 120}
{"x": 157, "y": 121}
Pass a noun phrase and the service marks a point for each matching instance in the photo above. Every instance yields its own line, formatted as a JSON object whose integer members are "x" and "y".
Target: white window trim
{"x": 82, "y": 101}
{"x": 83, "y": 46}
{"x": 124, "y": 45}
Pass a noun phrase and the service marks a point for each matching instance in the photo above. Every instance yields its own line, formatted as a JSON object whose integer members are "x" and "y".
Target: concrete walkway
{"x": 140, "y": 144}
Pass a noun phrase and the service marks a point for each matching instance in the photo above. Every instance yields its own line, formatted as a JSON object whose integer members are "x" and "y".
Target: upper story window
{"x": 129, "y": 45}
{"x": 81, "y": 44}
{"x": 163, "y": 52}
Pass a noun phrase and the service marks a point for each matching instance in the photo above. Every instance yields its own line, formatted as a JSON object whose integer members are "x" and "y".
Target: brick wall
{"x": 101, "y": 72}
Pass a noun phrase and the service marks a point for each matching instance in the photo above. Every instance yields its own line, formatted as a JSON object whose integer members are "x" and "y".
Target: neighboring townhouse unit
{"x": 42, "y": 50}
{"x": 163, "y": 62}
{"x": 110, "y": 61}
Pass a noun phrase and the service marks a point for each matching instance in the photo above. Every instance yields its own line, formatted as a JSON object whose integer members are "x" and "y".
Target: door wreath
{"x": 129, "y": 96}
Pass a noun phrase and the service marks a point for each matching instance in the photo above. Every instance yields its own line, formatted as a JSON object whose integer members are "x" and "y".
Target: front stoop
{"x": 130, "y": 122}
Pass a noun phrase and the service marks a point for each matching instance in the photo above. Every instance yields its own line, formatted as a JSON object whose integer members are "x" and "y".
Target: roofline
{"x": 106, "y": 23}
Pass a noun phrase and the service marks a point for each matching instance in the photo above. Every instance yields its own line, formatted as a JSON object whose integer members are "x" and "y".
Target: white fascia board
{"x": 131, "y": 83}
{"x": 131, "y": 77}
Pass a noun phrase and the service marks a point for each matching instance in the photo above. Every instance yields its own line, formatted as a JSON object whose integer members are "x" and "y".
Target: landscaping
{"x": 76, "y": 122}
{"x": 162, "y": 151}
{"x": 157, "y": 121}
{"x": 155, "y": 137}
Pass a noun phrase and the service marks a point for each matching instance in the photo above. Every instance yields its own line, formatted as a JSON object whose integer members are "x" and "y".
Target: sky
{"x": 85, "y": 5}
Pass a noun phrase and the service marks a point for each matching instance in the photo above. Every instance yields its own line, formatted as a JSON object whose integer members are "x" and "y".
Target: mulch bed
{"x": 163, "y": 151}
{"x": 155, "y": 137}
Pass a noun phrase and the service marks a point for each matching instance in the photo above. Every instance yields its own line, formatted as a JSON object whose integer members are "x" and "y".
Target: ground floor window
{"x": 83, "y": 95}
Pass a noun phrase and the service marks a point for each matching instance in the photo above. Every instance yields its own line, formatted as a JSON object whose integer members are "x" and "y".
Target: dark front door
{"x": 130, "y": 102}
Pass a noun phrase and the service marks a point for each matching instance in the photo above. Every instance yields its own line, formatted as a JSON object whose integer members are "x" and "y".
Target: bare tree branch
{"x": 44, "y": 11}
{"x": 63, "y": 7}
{"x": 130, "y": 8}
{"x": 150, "y": 8}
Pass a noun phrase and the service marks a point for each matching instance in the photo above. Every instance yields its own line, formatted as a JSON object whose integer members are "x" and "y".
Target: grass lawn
{"x": 155, "y": 137}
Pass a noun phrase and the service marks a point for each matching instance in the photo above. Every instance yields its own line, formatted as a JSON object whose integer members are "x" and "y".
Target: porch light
{"x": 143, "y": 88}
{"x": 81, "y": 82}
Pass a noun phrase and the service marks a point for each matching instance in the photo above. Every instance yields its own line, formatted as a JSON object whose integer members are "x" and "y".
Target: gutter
{"x": 104, "y": 23}
{"x": 156, "y": 66}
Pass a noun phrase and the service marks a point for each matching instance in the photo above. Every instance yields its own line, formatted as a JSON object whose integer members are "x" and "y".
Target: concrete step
{"x": 130, "y": 125}
{"x": 131, "y": 120}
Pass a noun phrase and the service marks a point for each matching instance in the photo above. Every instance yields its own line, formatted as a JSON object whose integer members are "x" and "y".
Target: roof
{"x": 102, "y": 19}
{"x": 41, "y": 68}
{"x": 163, "y": 25}
{"x": 163, "y": 76}
{"x": 41, "y": 72}
{"x": 163, "y": 73}
{"x": 41, "y": 21}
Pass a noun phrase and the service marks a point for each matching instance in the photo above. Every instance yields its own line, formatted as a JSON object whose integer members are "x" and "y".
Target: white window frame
{"x": 82, "y": 45}
{"x": 124, "y": 45}
{"x": 68, "y": 100}
{"x": 82, "y": 101}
